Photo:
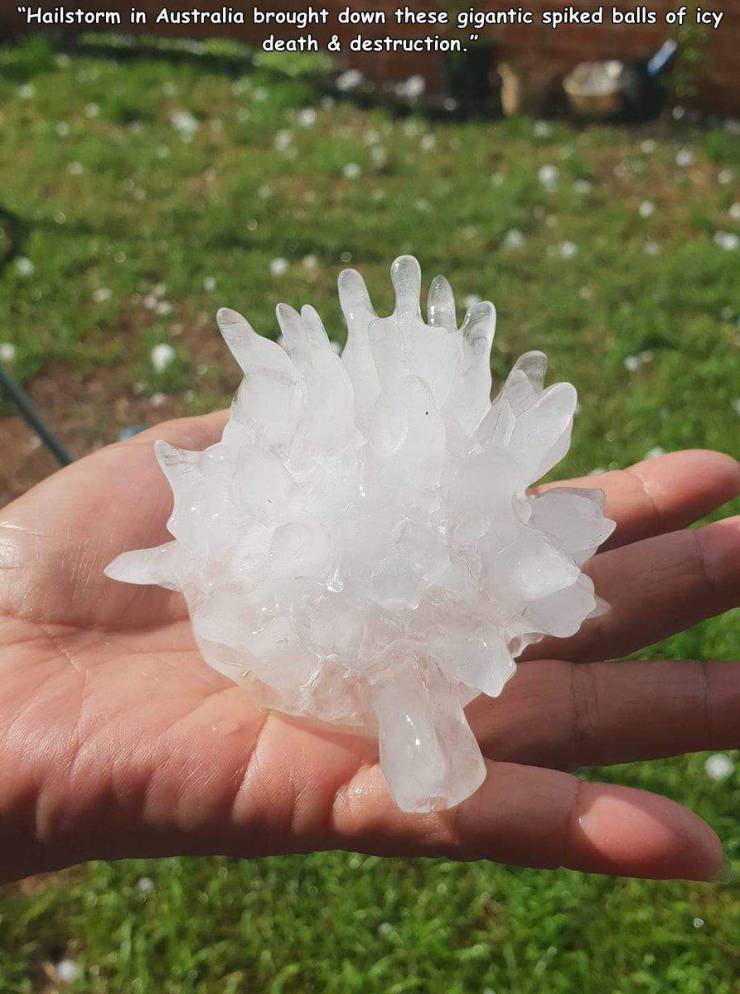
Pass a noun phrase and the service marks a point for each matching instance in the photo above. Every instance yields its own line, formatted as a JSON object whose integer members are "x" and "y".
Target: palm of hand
{"x": 118, "y": 740}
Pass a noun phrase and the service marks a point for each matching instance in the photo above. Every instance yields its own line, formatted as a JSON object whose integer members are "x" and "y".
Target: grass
{"x": 136, "y": 229}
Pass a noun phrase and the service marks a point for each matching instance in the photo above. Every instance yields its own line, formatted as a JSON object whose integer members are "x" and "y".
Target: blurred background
{"x": 146, "y": 182}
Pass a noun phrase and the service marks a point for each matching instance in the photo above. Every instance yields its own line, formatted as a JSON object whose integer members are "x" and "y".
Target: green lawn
{"x": 150, "y": 191}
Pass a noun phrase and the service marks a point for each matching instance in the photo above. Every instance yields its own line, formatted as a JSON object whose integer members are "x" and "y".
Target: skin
{"x": 116, "y": 740}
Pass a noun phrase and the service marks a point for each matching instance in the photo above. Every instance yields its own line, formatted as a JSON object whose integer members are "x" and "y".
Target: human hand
{"x": 117, "y": 740}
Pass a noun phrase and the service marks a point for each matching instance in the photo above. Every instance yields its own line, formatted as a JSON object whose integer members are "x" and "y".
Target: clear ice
{"x": 361, "y": 548}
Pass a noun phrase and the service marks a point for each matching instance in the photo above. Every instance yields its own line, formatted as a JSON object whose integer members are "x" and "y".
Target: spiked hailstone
{"x": 360, "y": 547}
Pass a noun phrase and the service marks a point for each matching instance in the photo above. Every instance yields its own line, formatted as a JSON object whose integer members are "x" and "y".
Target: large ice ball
{"x": 361, "y": 546}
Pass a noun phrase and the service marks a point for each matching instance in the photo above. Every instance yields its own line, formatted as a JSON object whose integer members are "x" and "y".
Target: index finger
{"x": 662, "y": 494}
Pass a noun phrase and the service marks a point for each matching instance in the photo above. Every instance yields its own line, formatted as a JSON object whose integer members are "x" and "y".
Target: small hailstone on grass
{"x": 278, "y": 267}
{"x": 684, "y": 157}
{"x": 310, "y": 262}
{"x": 92, "y": 110}
{"x": 736, "y": 405}
{"x": 24, "y": 267}
{"x": 158, "y": 399}
{"x": 307, "y": 117}
{"x": 568, "y": 250}
{"x": 648, "y": 146}
{"x": 66, "y": 971}
{"x": 719, "y": 766}
{"x": 27, "y": 91}
{"x": 411, "y": 88}
{"x": 548, "y": 176}
{"x": 646, "y": 209}
{"x": 734, "y": 211}
{"x": 7, "y": 352}
{"x": 102, "y": 295}
{"x": 161, "y": 356}
{"x": 283, "y": 140}
{"x": 724, "y": 177}
{"x": 62, "y": 129}
{"x": 362, "y": 546}
{"x": 349, "y": 80}
{"x": 542, "y": 129}
{"x": 651, "y": 248}
{"x": 75, "y": 169}
{"x": 514, "y": 239}
{"x": 632, "y": 363}
{"x": 582, "y": 187}
{"x": 145, "y": 885}
{"x": 209, "y": 284}
{"x": 351, "y": 170}
{"x": 727, "y": 240}
{"x": 185, "y": 124}
{"x": 657, "y": 450}
{"x": 379, "y": 156}
{"x": 427, "y": 143}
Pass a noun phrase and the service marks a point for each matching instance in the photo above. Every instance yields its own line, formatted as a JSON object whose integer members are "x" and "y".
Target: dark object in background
{"x": 467, "y": 78}
{"x": 32, "y": 417}
{"x": 652, "y": 76}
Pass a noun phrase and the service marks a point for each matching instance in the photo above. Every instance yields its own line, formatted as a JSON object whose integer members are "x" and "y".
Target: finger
{"x": 592, "y": 714}
{"x": 186, "y": 433}
{"x": 663, "y": 494}
{"x": 222, "y": 780}
{"x": 122, "y": 495}
{"x": 302, "y": 788}
{"x": 537, "y": 818}
{"x": 655, "y": 588}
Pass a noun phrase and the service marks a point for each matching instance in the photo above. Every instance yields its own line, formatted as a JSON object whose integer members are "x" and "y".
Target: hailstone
{"x": 362, "y": 547}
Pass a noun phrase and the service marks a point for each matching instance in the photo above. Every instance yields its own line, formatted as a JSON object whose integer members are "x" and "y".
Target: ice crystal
{"x": 361, "y": 547}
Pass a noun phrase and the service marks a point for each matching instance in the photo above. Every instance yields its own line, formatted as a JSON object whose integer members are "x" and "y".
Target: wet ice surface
{"x": 360, "y": 546}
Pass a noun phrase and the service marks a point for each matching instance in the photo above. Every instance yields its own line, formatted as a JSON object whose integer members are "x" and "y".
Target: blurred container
{"x": 598, "y": 89}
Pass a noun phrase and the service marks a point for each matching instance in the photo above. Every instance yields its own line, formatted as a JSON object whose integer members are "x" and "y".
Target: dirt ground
{"x": 85, "y": 412}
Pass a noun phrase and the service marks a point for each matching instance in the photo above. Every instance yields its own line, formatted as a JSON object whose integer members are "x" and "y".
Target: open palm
{"x": 117, "y": 740}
